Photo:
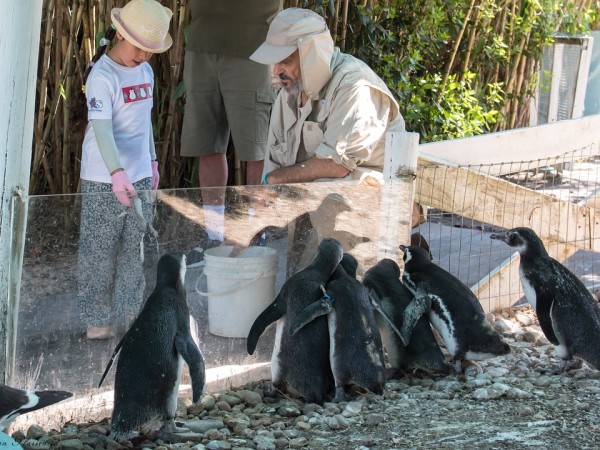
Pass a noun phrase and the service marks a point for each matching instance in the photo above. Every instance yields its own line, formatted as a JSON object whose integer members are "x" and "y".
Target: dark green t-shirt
{"x": 231, "y": 27}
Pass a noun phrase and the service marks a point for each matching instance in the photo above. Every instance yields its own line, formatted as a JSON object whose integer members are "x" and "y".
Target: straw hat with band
{"x": 145, "y": 24}
{"x": 287, "y": 29}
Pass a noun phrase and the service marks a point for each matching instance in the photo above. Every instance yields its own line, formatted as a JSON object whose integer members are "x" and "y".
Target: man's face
{"x": 288, "y": 72}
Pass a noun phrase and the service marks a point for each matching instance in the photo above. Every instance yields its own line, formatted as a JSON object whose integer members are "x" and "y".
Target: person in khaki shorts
{"x": 226, "y": 93}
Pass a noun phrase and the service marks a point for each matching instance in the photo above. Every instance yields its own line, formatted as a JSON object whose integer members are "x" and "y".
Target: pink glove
{"x": 155, "y": 175}
{"x": 122, "y": 187}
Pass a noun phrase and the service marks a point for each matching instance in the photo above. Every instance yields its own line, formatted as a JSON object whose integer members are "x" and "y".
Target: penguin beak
{"x": 499, "y": 236}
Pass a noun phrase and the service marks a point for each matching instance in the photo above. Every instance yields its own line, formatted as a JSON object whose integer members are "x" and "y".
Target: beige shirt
{"x": 347, "y": 122}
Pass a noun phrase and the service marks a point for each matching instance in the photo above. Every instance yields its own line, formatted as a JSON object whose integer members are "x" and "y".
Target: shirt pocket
{"x": 312, "y": 136}
{"x": 280, "y": 154}
{"x": 264, "y": 102}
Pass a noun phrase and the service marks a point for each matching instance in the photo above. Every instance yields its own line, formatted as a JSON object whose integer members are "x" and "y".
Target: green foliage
{"x": 453, "y": 110}
{"x": 458, "y": 68}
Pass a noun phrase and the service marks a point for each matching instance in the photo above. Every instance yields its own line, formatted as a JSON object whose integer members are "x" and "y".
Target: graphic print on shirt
{"x": 137, "y": 92}
{"x": 95, "y": 104}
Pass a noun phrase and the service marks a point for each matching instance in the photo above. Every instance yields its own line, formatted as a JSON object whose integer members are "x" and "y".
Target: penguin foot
{"x": 340, "y": 395}
{"x": 562, "y": 367}
{"x": 123, "y": 436}
{"x": 271, "y": 391}
{"x": 169, "y": 426}
{"x": 472, "y": 368}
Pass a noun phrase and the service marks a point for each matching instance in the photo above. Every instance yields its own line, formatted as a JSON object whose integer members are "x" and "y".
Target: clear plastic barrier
{"x": 52, "y": 350}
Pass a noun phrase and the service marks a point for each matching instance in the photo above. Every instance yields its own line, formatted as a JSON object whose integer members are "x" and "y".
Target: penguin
{"x": 422, "y": 352}
{"x": 300, "y": 363}
{"x": 455, "y": 311}
{"x": 152, "y": 353}
{"x": 14, "y": 402}
{"x": 355, "y": 349}
{"x": 567, "y": 311}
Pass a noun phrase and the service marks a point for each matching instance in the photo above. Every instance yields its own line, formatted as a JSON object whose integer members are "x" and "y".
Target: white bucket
{"x": 239, "y": 287}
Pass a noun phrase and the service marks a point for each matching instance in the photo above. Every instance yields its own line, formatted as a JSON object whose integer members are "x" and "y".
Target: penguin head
{"x": 522, "y": 239}
{"x": 171, "y": 270}
{"x": 329, "y": 252}
{"x": 349, "y": 264}
{"x": 388, "y": 267}
{"x": 414, "y": 257}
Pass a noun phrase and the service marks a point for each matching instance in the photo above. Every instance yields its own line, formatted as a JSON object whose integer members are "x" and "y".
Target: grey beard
{"x": 294, "y": 90}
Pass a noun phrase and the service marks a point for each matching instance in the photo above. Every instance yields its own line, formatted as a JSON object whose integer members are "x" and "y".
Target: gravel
{"x": 508, "y": 402}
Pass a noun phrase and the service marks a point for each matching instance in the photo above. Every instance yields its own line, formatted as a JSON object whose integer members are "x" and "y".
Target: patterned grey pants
{"x": 110, "y": 260}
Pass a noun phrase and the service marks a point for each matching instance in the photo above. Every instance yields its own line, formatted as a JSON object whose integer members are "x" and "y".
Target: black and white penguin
{"x": 422, "y": 351}
{"x": 567, "y": 311}
{"x": 455, "y": 311}
{"x": 14, "y": 402}
{"x": 152, "y": 353}
{"x": 355, "y": 348}
{"x": 300, "y": 363}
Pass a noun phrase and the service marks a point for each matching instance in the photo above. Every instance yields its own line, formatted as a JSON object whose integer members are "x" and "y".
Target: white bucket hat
{"x": 145, "y": 24}
{"x": 287, "y": 29}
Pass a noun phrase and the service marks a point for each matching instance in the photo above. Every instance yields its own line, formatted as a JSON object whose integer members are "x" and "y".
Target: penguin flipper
{"x": 413, "y": 312}
{"x": 272, "y": 313}
{"x": 310, "y": 313}
{"x": 112, "y": 358}
{"x": 192, "y": 356}
{"x": 545, "y": 321}
{"x": 376, "y": 304}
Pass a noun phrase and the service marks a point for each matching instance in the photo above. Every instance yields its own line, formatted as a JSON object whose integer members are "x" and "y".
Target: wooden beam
{"x": 507, "y": 205}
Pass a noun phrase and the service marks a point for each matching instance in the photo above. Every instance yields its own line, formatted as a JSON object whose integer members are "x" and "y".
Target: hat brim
{"x": 272, "y": 54}
{"x": 115, "y": 15}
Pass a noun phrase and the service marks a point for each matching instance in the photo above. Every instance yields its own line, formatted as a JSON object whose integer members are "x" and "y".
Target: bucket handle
{"x": 228, "y": 291}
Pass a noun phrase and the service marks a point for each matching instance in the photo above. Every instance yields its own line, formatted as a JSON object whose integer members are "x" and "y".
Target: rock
{"x": 300, "y": 442}
{"x": 352, "y": 409}
{"x": 237, "y": 425}
{"x": 218, "y": 445}
{"x": 208, "y": 402}
{"x": 264, "y": 443}
{"x": 249, "y": 397}
{"x": 374, "y": 419}
{"x": 71, "y": 444}
{"x": 223, "y": 405}
{"x": 182, "y": 407}
{"x": 232, "y": 400}
{"x": 35, "y": 432}
{"x": 289, "y": 411}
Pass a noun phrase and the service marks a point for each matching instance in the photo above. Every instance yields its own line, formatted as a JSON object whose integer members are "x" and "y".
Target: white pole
{"x": 401, "y": 152}
{"x": 19, "y": 45}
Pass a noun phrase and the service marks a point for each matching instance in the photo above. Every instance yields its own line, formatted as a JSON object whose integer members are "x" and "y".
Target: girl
{"x": 119, "y": 156}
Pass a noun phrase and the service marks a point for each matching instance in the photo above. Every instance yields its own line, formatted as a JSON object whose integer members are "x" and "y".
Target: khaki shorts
{"x": 226, "y": 94}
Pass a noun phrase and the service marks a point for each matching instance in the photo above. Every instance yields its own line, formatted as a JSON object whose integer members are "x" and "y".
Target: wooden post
{"x": 19, "y": 45}
{"x": 401, "y": 151}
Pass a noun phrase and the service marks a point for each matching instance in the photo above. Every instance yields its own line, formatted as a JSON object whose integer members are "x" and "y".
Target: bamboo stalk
{"x": 345, "y": 24}
{"x": 457, "y": 41}
{"x": 470, "y": 44}
{"x": 43, "y": 96}
{"x": 335, "y": 21}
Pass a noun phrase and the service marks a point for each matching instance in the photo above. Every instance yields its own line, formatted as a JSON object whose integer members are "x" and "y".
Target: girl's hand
{"x": 122, "y": 187}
